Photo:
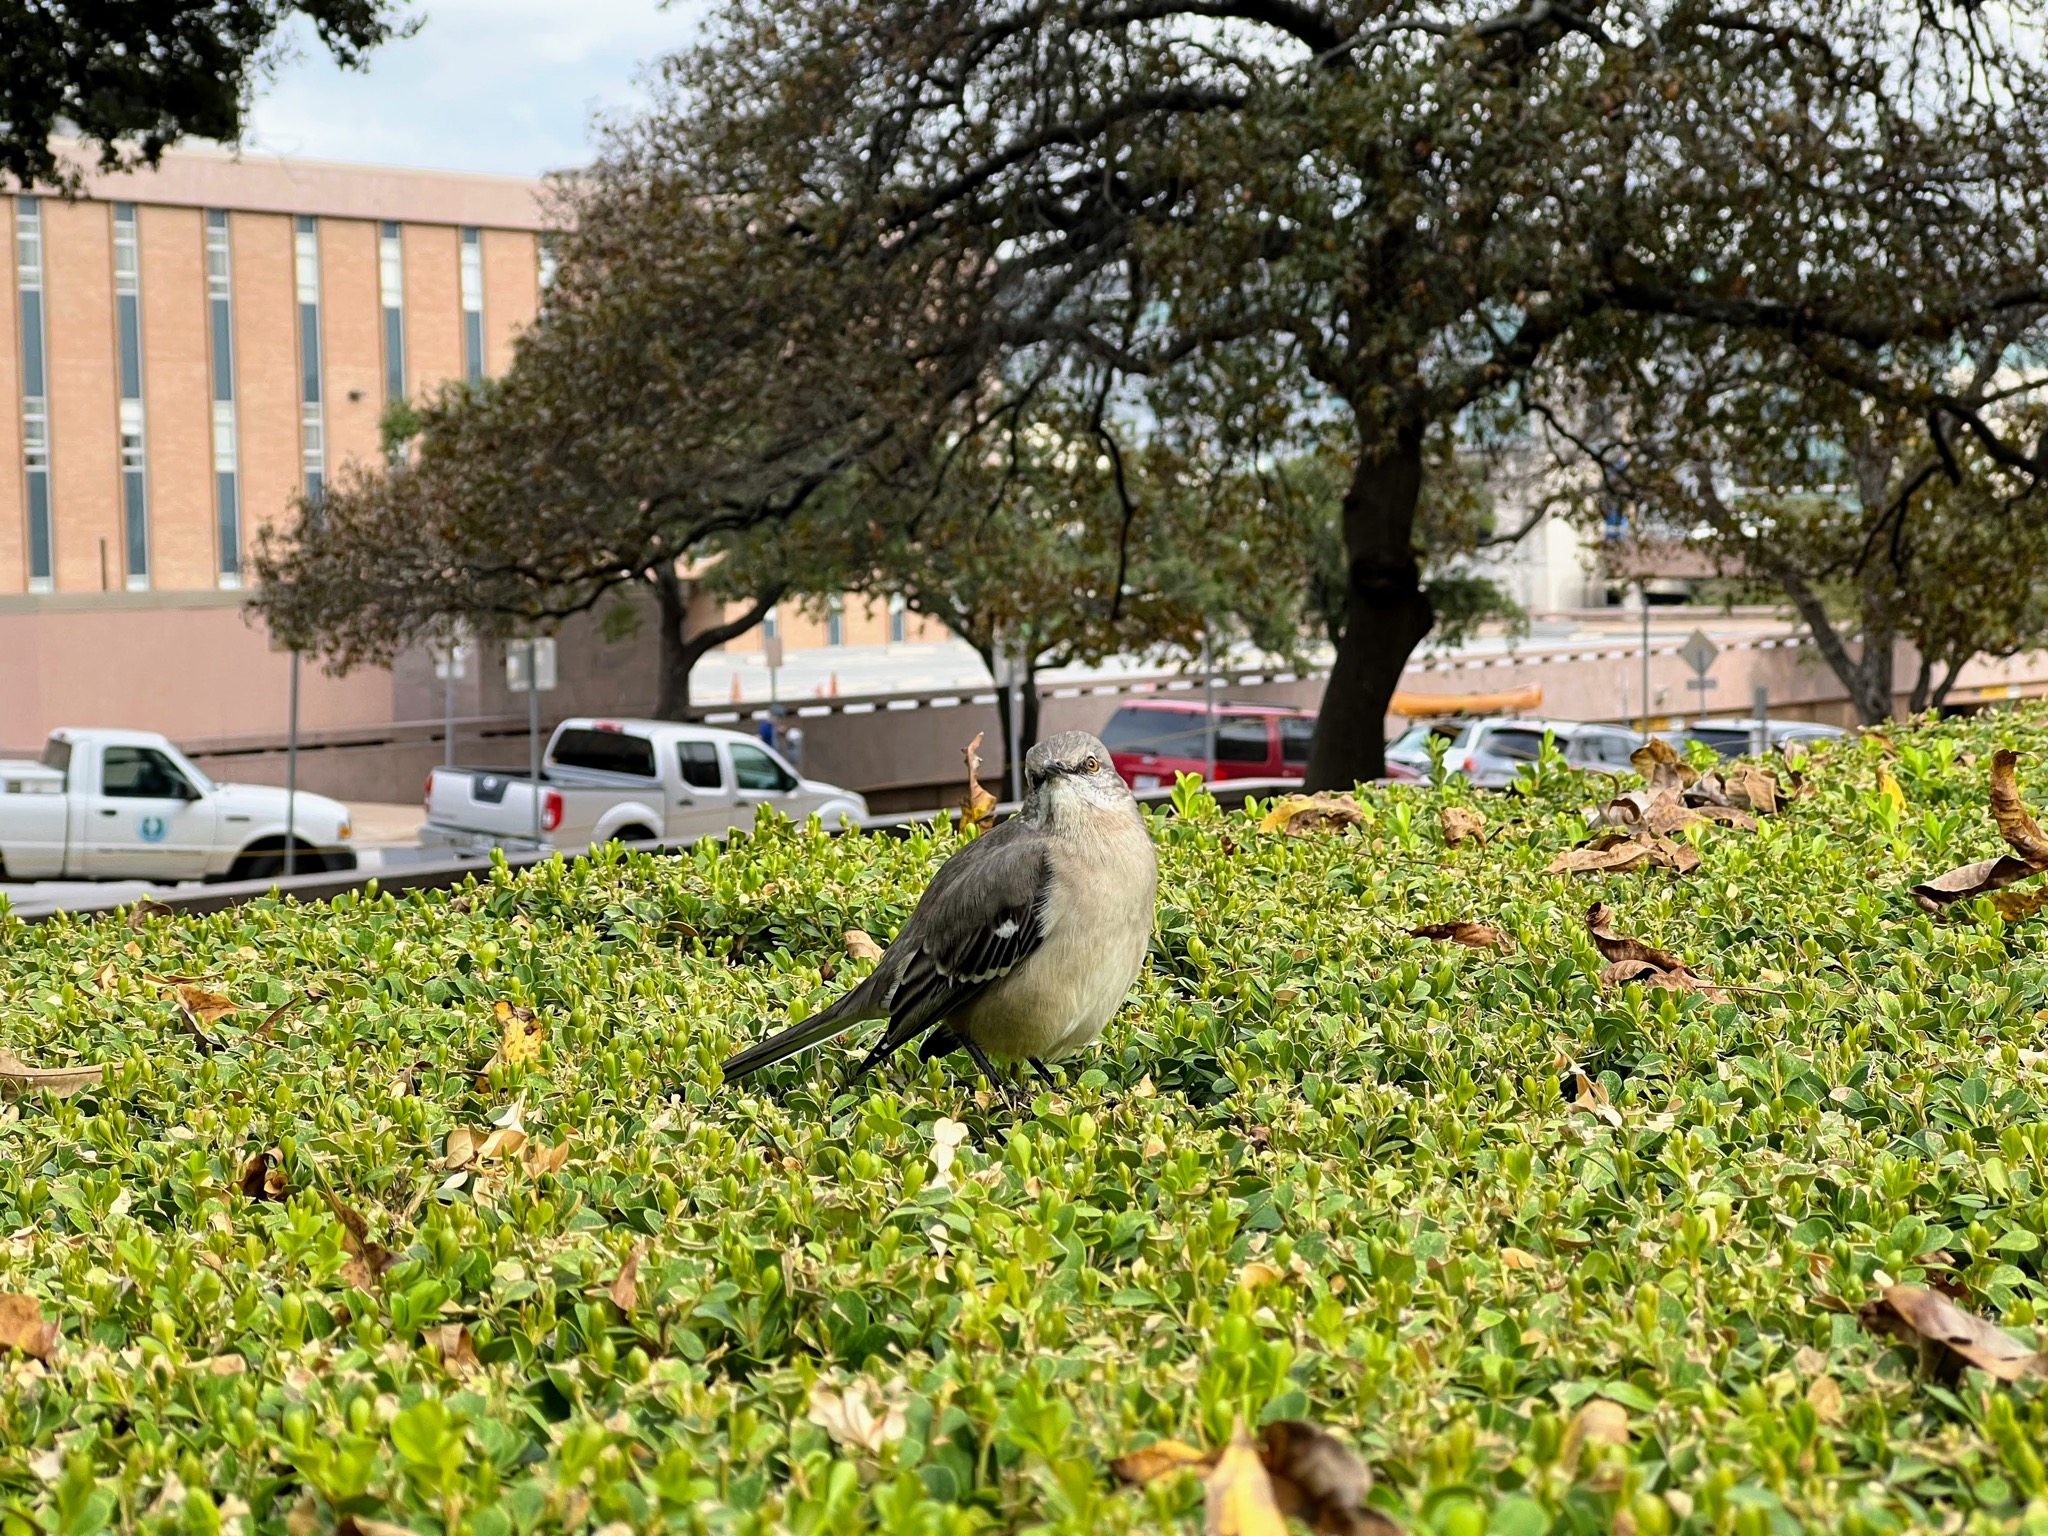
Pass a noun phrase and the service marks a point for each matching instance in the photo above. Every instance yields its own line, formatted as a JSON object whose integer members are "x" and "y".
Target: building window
{"x": 899, "y": 621}
{"x": 771, "y": 624}
{"x": 473, "y": 304}
{"x": 391, "y": 284}
{"x": 550, "y": 262}
{"x": 312, "y": 425}
{"x": 227, "y": 497}
{"x": 835, "y": 621}
{"x": 35, "y": 400}
{"x": 134, "y": 453}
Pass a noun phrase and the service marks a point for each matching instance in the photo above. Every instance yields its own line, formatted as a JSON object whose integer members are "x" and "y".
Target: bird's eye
{"x": 1091, "y": 765}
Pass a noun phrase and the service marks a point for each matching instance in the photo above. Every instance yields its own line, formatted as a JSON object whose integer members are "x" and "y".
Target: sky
{"x": 508, "y": 87}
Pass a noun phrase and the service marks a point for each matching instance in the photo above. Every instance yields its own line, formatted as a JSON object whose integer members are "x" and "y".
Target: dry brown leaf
{"x": 1753, "y": 787}
{"x": 1614, "y": 946}
{"x": 367, "y": 1261}
{"x": 1519, "y": 1258}
{"x": 2009, "y": 812}
{"x": 1460, "y": 822}
{"x": 502, "y": 1143}
{"x": 1149, "y": 1463}
{"x": 859, "y": 946}
{"x": 207, "y": 1007}
{"x": 523, "y": 1033}
{"x": 1599, "y": 1422}
{"x": 1950, "y": 1338}
{"x": 1471, "y": 935}
{"x": 452, "y": 1342}
{"x": 262, "y": 1176}
{"x": 1661, "y": 766}
{"x": 17, "y": 1078}
{"x": 978, "y": 809}
{"x": 1614, "y": 852}
{"x": 625, "y": 1288}
{"x": 544, "y": 1159}
{"x": 23, "y": 1326}
{"x": 1240, "y": 1494}
{"x": 460, "y": 1150}
{"x": 1668, "y": 814}
{"x": 140, "y": 914}
{"x": 1824, "y": 1396}
{"x": 1589, "y": 1096}
{"x": 2015, "y": 905}
{"x": 1972, "y": 880}
{"x": 226, "y": 1365}
{"x": 1300, "y": 815}
{"x": 107, "y": 978}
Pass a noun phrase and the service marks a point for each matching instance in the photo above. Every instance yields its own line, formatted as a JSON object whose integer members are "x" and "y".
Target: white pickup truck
{"x": 634, "y": 780}
{"x": 127, "y": 805}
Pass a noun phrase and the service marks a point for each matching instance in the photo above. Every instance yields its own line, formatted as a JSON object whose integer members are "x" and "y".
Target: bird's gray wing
{"x": 982, "y": 915}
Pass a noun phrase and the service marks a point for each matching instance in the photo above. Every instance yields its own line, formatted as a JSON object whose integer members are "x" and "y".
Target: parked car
{"x": 634, "y": 780}
{"x": 1492, "y": 752}
{"x": 1151, "y": 740}
{"x": 1737, "y": 738}
{"x": 127, "y": 805}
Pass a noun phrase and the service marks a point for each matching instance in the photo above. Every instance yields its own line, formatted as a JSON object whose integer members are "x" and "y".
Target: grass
{"x": 1317, "y": 1169}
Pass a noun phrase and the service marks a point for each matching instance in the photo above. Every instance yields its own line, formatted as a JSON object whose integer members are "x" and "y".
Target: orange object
{"x": 1509, "y": 701}
{"x": 833, "y": 691}
{"x": 735, "y": 687}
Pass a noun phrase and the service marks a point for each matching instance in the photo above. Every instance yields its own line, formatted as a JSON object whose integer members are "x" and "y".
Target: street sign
{"x": 772, "y": 645}
{"x": 543, "y": 654}
{"x": 1699, "y": 652}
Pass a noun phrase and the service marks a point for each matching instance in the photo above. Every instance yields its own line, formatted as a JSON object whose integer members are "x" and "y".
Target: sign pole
{"x": 291, "y": 779}
{"x": 1643, "y": 590}
{"x": 533, "y": 731}
{"x": 448, "y": 710}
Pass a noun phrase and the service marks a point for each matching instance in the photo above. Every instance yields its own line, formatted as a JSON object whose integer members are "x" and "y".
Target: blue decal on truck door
{"x": 153, "y": 829}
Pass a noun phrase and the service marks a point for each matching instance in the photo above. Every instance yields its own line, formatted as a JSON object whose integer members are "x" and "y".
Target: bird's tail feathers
{"x": 837, "y": 1019}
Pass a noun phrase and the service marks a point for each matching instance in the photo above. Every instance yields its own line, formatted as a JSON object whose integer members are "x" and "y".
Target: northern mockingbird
{"x": 1026, "y": 940}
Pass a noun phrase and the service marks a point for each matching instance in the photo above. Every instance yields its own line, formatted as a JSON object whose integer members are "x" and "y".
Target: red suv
{"x": 1150, "y": 740}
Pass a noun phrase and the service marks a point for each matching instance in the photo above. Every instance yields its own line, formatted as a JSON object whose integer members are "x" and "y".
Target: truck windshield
{"x": 604, "y": 752}
{"x": 57, "y": 755}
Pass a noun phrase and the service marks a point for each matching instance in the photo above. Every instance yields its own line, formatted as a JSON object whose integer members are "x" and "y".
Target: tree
{"x": 1874, "y": 524}
{"x": 1283, "y": 214}
{"x": 132, "y": 79}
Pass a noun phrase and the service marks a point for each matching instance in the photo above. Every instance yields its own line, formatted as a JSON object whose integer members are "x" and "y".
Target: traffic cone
{"x": 832, "y": 692}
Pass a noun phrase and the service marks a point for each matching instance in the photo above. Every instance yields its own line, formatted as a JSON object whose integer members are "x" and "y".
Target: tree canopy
{"x": 1281, "y": 212}
{"x": 134, "y": 78}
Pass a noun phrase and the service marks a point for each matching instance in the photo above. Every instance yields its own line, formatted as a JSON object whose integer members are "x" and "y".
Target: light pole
{"x": 291, "y": 778}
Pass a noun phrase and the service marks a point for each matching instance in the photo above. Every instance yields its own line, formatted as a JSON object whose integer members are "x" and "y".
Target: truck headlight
{"x": 345, "y": 831}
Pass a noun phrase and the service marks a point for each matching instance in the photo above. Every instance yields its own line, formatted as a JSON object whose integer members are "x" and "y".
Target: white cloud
{"x": 503, "y": 86}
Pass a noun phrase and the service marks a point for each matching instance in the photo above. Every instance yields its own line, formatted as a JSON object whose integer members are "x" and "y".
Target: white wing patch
{"x": 1006, "y": 928}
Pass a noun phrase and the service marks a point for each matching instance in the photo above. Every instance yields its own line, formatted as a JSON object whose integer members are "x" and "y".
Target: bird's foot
{"x": 995, "y": 1079}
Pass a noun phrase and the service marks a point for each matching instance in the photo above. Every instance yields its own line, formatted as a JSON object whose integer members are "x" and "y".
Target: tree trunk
{"x": 1923, "y": 680}
{"x": 681, "y": 650}
{"x": 1386, "y": 614}
{"x": 1948, "y": 681}
{"x": 1866, "y": 678}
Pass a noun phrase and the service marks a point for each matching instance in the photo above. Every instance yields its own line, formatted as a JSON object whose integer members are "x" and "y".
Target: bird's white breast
{"x": 1098, "y": 919}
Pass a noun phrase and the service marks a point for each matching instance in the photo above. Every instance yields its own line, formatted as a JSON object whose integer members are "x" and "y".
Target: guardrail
{"x": 227, "y": 895}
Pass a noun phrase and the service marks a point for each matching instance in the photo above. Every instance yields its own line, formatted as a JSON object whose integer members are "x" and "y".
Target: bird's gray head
{"x": 1071, "y": 769}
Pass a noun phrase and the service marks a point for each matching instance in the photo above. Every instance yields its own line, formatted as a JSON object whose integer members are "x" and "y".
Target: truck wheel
{"x": 633, "y": 834}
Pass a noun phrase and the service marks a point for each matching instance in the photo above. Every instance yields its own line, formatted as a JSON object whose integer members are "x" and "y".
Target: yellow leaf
{"x": 1257, "y": 1273}
{"x": 1599, "y": 1422}
{"x": 1888, "y": 788}
{"x": 1519, "y": 1258}
{"x": 523, "y": 1034}
{"x": 1825, "y": 1397}
{"x": 461, "y": 1150}
{"x": 859, "y": 946}
{"x": 1240, "y": 1494}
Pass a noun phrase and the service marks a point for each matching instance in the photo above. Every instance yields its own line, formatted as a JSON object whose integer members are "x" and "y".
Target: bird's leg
{"x": 1044, "y": 1076}
{"x": 988, "y": 1070}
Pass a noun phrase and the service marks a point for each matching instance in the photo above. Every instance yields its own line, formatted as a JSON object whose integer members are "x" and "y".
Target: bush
{"x": 1436, "y": 1198}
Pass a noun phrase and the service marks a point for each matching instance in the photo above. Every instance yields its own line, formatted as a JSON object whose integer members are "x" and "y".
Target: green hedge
{"x": 1317, "y": 1169}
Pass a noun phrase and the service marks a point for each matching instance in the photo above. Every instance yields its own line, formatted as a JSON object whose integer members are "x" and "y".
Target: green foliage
{"x": 1464, "y": 1258}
